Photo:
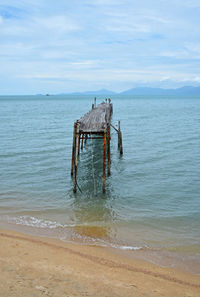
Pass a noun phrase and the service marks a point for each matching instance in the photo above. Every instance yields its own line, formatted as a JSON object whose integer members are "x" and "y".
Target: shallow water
{"x": 152, "y": 196}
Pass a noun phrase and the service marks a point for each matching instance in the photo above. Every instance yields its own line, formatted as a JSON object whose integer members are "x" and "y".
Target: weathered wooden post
{"x": 79, "y": 139}
{"x": 73, "y": 149}
{"x": 85, "y": 138}
{"x": 108, "y": 148}
{"x": 118, "y": 134}
{"x": 104, "y": 161}
{"x": 76, "y": 155}
{"x": 82, "y": 141}
{"x": 120, "y": 147}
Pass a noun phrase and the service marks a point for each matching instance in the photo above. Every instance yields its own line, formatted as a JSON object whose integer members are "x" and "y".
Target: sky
{"x": 62, "y": 46}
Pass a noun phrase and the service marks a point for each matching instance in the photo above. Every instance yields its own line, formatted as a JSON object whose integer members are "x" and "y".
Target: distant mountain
{"x": 143, "y": 91}
{"x": 99, "y": 92}
{"x": 187, "y": 90}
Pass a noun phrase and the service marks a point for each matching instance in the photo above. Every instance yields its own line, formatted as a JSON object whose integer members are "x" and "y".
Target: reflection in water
{"x": 92, "y": 209}
{"x": 95, "y": 232}
{"x": 90, "y": 167}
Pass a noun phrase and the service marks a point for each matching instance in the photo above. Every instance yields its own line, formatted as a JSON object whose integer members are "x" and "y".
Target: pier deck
{"x": 96, "y": 120}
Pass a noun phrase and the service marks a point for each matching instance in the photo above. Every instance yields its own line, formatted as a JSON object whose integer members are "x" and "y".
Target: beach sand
{"x": 35, "y": 266}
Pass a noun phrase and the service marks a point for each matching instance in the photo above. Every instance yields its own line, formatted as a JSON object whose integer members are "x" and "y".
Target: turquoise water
{"x": 152, "y": 199}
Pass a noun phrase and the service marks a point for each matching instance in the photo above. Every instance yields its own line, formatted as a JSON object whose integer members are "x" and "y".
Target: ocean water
{"x": 151, "y": 207}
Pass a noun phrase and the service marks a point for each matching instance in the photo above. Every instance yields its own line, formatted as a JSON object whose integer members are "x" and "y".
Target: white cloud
{"x": 189, "y": 3}
{"x": 158, "y": 19}
{"x": 61, "y": 24}
{"x": 105, "y": 2}
{"x": 197, "y": 79}
{"x": 128, "y": 27}
{"x": 99, "y": 41}
{"x": 178, "y": 54}
{"x": 193, "y": 48}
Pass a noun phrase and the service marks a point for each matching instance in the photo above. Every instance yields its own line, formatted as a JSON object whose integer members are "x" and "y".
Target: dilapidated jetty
{"x": 95, "y": 124}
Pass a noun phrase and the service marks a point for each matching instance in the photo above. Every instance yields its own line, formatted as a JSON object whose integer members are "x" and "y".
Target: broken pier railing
{"x": 94, "y": 125}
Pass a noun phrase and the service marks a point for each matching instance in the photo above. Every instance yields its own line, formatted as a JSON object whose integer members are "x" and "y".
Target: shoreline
{"x": 181, "y": 258}
{"x": 32, "y": 266}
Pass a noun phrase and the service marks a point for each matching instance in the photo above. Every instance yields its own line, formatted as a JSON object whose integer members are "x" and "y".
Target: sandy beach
{"x": 34, "y": 266}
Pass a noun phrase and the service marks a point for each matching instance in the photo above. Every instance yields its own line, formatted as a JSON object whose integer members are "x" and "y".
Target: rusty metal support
{"x": 76, "y": 155}
{"x": 73, "y": 149}
{"x": 118, "y": 134}
{"x": 108, "y": 149}
{"x": 120, "y": 147}
{"x": 104, "y": 161}
{"x": 79, "y": 143}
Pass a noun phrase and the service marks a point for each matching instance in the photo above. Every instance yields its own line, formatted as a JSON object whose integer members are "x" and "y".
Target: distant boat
{"x": 47, "y": 95}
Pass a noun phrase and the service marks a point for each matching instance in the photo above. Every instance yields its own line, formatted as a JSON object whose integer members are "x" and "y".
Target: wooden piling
{"x": 108, "y": 149}
{"x": 73, "y": 149}
{"x": 82, "y": 141}
{"x": 120, "y": 147}
{"x": 76, "y": 155}
{"x": 104, "y": 161}
{"x": 118, "y": 134}
{"x": 85, "y": 138}
{"x": 79, "y": 139}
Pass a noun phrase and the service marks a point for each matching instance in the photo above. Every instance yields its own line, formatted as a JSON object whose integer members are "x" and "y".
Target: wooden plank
{"x": 95, "y": 120}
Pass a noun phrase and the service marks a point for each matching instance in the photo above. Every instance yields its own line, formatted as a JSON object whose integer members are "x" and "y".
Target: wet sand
{"x": 35, "y": 266}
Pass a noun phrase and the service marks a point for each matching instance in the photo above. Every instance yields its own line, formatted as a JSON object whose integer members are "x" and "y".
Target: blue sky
{"x": 49, "y": 46}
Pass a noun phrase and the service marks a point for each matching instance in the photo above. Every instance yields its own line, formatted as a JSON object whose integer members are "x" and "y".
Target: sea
{"x": 151, "y": 208}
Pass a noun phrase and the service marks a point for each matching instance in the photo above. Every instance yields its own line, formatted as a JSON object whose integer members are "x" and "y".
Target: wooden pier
{"x": 95, "y": 124}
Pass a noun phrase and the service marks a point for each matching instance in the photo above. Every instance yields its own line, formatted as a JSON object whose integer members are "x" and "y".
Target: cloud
{"x": 105, "y": 2}
{"x": 197, "y": 79}
{"x": 58, "y": 23}
{"x": 188, "y": 51}
{"x": 98, "y": 42}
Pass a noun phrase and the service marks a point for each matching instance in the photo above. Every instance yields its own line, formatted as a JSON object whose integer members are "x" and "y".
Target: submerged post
{"x": 85, "y": 138}
{"x": 79, "y": 139}
{"x": 82, "y": 141}
{"x": 76, "y": 155}
{"x": 104, "y": 161}
{"x": 120, "y": 147}
{"x": 108, "y": 148}
{"x": 73, "y": 149}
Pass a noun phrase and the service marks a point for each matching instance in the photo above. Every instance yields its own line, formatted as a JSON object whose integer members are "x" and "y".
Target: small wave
{"x": 106, "y": 243}
{"x": 35, "y": 222}
{"x": 31, "y": 221}
{"x": 131, "y": 248}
